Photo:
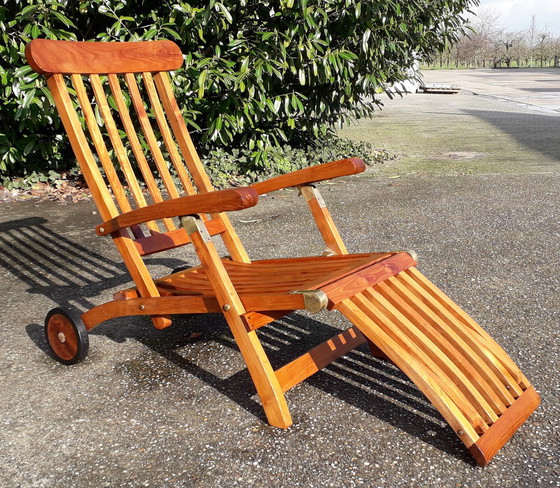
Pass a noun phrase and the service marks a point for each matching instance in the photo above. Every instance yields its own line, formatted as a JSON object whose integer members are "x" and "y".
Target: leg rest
{"x": 464, "y": 373}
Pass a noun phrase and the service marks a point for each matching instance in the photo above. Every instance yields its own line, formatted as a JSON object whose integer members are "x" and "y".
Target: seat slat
{"x": 421, "y": 303}
{"x": 414, "y": 369}
{"x": 442, "y": 361}
{"x": 427, "y": 354}
{"x": 469, "y": 322}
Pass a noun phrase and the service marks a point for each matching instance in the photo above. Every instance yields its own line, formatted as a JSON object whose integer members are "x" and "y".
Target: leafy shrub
{"x": 227, "y": 168}
{"x": 258, "y": 73}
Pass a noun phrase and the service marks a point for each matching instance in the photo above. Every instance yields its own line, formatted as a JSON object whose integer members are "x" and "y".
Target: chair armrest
{"x": 313, "y": 174}
{"x": 211, "y": 202}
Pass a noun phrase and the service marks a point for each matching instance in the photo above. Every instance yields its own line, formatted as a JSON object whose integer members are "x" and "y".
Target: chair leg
{"x": 261, "y": 371}
{"x": 461, "y": 370}
{"x": 265, "y": 379}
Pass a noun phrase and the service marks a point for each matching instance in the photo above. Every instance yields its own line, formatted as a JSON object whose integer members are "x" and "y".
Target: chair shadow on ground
{"x": 532, "y": 130}
{"x": 71, "y": 275}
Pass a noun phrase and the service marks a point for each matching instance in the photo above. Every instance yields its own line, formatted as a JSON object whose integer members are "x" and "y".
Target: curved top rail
{"x": 49, "y": 57}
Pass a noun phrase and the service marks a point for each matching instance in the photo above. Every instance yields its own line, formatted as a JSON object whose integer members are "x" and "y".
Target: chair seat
{"x": 338, "y": 276}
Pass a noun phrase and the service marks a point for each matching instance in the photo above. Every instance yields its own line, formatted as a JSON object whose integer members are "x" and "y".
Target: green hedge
{"x": 257, "y": 74}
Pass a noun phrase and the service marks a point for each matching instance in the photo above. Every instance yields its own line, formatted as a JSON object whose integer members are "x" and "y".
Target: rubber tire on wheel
{"x": 66, "y": 336}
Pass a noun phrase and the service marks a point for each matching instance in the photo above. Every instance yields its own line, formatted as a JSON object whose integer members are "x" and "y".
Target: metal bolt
{"x": 101, "y": 229}
{"x": 460, "y": 432}
{"x": 61, "y": 337}
{"x": 226, "y": 307}
{"x": 141, "y": 307}
{"x": 508, "y": 387}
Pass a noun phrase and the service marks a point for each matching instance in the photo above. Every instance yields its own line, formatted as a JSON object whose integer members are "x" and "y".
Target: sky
{"x": 516, "y": 15}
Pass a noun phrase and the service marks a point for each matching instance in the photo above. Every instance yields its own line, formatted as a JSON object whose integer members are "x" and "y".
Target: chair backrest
{"x": 134, "y": 139}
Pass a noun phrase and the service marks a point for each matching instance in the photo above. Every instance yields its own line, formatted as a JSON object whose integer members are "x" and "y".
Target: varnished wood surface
{"x": 313, "y": 174}
{"x": 274, "y": 276}
{"x": 361, "y": 279}
{"x": 318, "y": 357}
{"x": 456, "y": 366}
{"x": 504, "y": 428}
{"x": 472, "y": 382}
{"x": 323, "y": 219}
{"x": 157, "y": 242}
{"x": 68, "y": 57}
{"x": 216, "y": 201}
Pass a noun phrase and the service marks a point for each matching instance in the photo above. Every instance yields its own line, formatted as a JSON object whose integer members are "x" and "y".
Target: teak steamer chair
{"x": 462, "y": 371}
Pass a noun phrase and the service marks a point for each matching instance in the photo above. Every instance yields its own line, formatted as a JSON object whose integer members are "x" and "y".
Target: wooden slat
{"x": 481, "y": 353}
{"x": 149, "y": 135}
{"x": 196, "y": 168}
{"x": 181, "y": 133}
{"x": 260, "y": 277}
{"x": 318, "y": 357}
{"x": 81, "y": 148}
{"x": 323, "y": 219}
{"x": 410, "y": 294}
{"x": 413, "y": 368}
{"x": 70, "y": 57}
{"x": 135, "y": 145}
{"x": 460, "y": 360}
{"x": 445, "y": 366}
{"x": 99, "y": 144}
{"x": 492, "y": 441}
{"x": 434, "y": 363}
{"x": 468, "y": 321}
{"x": 115, "y": 138}
{"x": 166, "y": 134}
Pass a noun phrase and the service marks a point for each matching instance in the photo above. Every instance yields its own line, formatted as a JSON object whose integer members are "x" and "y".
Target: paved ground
{"x": 175, "y": 407}
{"x": 536, "y": 88}
{"x": 486, "y": 128}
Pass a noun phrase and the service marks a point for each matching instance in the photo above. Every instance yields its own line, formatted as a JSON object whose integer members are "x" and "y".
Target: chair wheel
{"x": 66, "y": 336}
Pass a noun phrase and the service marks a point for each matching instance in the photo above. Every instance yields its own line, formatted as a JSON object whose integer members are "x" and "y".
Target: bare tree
{"x": 532, "y": 34}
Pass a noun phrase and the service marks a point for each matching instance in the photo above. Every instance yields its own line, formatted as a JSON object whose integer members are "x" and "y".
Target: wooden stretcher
{"x": 402, "y": 316}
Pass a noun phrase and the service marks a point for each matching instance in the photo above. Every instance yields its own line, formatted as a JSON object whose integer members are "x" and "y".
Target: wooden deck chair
{"x": 463, "y": 372}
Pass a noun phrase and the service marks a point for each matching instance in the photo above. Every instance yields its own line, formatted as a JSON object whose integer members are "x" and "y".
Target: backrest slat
{"x": 135, "y": 144}
{"x": 149, "y": 135}
{"x": 117, "y": 143}
{"x": 181, "y": 134}
{"x": 134, "y": 141}
{"x": 80, "y": 145}
{"x": 99, "y": 143}
{"x": 196, "y": 168}
{"x": 170, "y": 144}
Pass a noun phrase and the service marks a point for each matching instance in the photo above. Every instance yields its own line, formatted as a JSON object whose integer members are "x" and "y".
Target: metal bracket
{"x": 412, "y": 254}
{"x": 310, "y": 192}
{"x": 314, "y": 300}
{"x": 192, "y": 224}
